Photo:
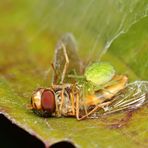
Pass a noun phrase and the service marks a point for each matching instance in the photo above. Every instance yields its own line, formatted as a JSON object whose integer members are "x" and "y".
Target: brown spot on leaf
{"x": 118, "y": 123}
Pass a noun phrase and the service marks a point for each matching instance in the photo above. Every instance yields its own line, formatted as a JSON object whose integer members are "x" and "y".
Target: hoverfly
{"x": 82, "y": 92}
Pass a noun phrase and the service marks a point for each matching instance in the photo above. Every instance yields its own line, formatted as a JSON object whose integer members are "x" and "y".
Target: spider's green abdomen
{"x": 99, "y": 73}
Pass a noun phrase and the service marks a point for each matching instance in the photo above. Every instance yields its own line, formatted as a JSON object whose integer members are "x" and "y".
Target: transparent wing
{"x": 132, "y": 97}
{"x": 75, "y": 64}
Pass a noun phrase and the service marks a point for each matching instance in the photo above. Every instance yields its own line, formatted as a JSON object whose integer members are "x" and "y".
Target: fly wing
{"x": 132, "y": 97}
{"x": 75, "y": 64}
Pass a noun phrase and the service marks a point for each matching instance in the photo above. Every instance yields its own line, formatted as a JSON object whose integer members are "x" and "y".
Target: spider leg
{"x": 66, "y": 63}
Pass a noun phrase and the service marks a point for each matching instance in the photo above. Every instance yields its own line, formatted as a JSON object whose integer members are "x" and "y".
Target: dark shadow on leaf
{"x": 13, "y": 136}
{"x": 63, "y": 144}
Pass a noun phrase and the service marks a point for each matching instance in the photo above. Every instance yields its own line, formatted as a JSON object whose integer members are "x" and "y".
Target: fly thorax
{"x": 63, "y": 102}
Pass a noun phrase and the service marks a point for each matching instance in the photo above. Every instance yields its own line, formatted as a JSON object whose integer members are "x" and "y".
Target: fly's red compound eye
{"x": 48, "y": 101}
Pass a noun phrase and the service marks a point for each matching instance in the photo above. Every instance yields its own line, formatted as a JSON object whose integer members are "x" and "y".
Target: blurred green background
{"x": 33, "y": 27}
{"x": 110, "y": 30}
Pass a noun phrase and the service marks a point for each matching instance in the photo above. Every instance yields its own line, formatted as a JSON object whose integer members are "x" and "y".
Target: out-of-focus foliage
{"x": 29, "y": 31}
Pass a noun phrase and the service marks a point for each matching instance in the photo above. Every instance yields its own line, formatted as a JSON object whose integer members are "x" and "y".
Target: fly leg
{"x": 66, "y": 63}
{"x": 77, "y": 107}
{"x": 72, "y": 104}
{"x": 62, "y": 98}
{"x": 60, "y": 95}
{"x": 75, "y": 95}
{"x": 102, "y": 105}
{"x": 55, "y": 78}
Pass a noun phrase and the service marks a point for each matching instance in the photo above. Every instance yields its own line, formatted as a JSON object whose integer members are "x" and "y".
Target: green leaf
{"x": 29, "y": 31}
